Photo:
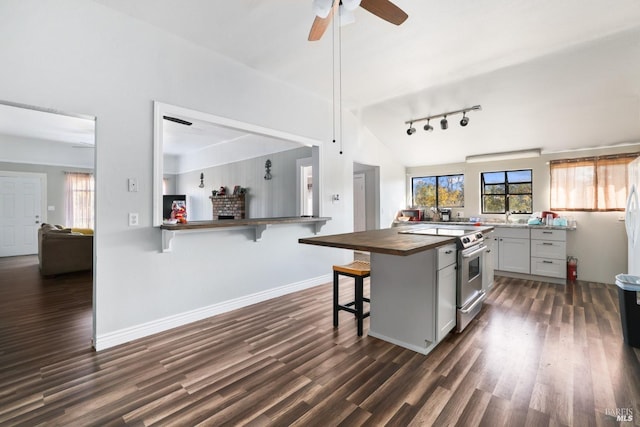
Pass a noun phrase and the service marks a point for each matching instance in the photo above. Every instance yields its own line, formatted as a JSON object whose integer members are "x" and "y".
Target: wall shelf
{"x": 259, "y": 225}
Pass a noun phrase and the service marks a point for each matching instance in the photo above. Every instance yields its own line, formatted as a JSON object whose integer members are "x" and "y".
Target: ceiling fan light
{"x": 346, "y": 17}
{"x": 350, "y": 5}
{"x": 321, "y": 8}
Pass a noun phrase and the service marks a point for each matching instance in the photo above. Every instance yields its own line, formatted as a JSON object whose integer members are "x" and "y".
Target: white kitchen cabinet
{"x": 549, "y": 253}
{"x": 514, "y": 250}
{"x": 489, "y": 262}
{"x": 446, "y": 293}
{"x": 514, "y": 255}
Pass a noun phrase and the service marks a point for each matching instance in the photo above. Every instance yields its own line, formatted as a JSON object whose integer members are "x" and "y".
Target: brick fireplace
{"x": 228, "y": 207}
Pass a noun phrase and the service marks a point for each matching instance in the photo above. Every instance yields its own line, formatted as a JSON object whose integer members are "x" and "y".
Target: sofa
{"x": 64, "y": 250}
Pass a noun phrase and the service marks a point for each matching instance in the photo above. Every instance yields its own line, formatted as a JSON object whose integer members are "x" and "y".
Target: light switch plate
{"x": 133, "y": 185}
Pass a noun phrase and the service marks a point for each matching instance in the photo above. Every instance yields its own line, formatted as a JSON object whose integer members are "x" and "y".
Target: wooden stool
{"x": 358, "y": 270}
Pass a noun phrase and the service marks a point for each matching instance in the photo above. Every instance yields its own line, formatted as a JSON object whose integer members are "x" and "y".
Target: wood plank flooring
{"x": 539, "y": 354}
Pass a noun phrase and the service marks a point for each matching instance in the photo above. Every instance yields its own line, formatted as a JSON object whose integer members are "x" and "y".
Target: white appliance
{"x": 632, "y": 218}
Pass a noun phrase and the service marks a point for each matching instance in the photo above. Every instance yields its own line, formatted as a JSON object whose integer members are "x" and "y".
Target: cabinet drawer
{"x": 447, "y": 255}
{"x": 518, "y": 233}
{"x": 557, "y": 235}
{"x": 553, "y": 250}
{"x": 549, "y": 267}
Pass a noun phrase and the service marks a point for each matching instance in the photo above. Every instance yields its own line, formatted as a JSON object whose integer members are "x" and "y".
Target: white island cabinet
{"x": 403, "y": 300}
{"x": 446, "y": 290}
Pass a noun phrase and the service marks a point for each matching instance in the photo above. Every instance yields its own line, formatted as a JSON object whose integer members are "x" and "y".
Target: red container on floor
{"x": 572, "y": 269}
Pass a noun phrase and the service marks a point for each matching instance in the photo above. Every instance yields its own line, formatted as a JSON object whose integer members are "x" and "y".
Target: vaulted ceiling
{"x": 548, "y": 74}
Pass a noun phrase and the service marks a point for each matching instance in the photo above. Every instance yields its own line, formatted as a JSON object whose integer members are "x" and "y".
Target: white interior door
{"x": 20, "y": 215}
{"x": 359, "y": 200}
{"x": 304, "y": 193}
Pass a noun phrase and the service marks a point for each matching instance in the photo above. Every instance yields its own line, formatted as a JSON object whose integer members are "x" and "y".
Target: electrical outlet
{"x": 133, "y": 219}
{"x": 133, "y": 185}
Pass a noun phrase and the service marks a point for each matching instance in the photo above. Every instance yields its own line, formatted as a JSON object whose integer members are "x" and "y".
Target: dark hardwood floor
{"x": 539, "y": 354}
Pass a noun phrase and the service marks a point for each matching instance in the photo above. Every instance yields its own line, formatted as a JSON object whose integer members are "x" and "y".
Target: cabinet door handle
{"x": 488, "y": 250}
{"x": 448, "y": 252}
{"x": 547, "y": 262}
{"x": 547, "y": 232}
{"x": 547, "y": 244}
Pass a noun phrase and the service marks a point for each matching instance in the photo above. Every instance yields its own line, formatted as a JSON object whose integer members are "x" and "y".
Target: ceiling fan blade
{"x": 386, "y": 10}
{"x": 320, "y": 25}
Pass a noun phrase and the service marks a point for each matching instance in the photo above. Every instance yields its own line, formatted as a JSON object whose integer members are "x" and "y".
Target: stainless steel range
{"x": 471, "y": 248}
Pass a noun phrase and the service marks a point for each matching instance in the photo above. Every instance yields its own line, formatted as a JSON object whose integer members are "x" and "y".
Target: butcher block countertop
{"x": 385, "y": 241}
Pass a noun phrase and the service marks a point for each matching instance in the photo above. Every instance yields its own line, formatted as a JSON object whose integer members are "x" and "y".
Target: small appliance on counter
{"x": 412, "y": 214}
{"x": 445, "y": 214}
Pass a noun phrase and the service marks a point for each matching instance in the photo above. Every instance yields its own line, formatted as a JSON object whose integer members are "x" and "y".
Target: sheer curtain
{"x": 590, "y": 183}
{"x": 79, "y": 201}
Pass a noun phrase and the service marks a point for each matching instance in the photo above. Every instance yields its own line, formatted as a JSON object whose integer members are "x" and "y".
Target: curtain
{"x": 590, "y": 183}
{"x": 79, "y": 201}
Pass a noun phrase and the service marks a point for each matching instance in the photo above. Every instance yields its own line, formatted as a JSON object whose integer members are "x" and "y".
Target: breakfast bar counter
{"x": 385, "y": 241}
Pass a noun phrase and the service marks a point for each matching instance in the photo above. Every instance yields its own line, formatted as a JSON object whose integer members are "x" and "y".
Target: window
{"x": 445, "y": 191}
{"x": 507, "y": 191}
{"x": 590, "y": 183}
{"x": 79, "y": 200}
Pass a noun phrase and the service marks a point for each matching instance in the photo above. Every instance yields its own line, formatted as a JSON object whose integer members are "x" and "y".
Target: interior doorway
{"x": 359, "y": 203}
{"x": 304, "y": 193}
{"x": 366, "y": 197}
{"x": 39, "y": 147}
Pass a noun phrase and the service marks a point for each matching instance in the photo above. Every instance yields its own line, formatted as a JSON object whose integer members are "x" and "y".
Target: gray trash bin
{"x": 629, "y": 298}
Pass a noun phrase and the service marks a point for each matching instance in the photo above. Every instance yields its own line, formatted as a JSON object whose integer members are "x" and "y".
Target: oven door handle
{"x": 474, "y": 253}
{"x": 479, "y": 300}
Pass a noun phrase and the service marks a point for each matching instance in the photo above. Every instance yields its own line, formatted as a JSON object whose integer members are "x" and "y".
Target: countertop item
{"x": 388, "y": 240}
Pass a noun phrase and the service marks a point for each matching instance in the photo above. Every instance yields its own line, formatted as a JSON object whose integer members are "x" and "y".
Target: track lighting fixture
{"x": 201, "y": 180}
{"x": 465, "y": 120}
{"x": 444, "y": 123}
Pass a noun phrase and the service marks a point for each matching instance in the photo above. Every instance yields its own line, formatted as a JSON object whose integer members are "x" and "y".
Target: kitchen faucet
{"x": 507, "y": 214}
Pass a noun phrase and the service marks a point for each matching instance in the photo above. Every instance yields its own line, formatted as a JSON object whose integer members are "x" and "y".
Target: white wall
{"x": 599, "y": 243}
{"x": 80, "y": 57}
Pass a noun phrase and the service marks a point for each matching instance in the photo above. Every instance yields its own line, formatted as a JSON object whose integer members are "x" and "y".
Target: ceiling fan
{"x": 325, "y": 9}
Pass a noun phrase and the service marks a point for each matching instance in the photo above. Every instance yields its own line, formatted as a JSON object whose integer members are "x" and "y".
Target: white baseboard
{"x": 122, "y": 336}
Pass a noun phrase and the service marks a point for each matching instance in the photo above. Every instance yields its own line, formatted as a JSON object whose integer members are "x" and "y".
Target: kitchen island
{"x": 406, "y": 295}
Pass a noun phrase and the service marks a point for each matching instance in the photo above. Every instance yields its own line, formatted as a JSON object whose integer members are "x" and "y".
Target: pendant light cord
{"x": 333, "y": 77}
{"x": 340, "y": 74}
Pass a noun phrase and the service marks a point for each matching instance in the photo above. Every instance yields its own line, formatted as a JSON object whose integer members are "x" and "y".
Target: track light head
{"x": 444, "y": 124}
{"x": 465, "y": 120}
{"x": 428, "y": 127}
{"x": 411, "y": 131}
